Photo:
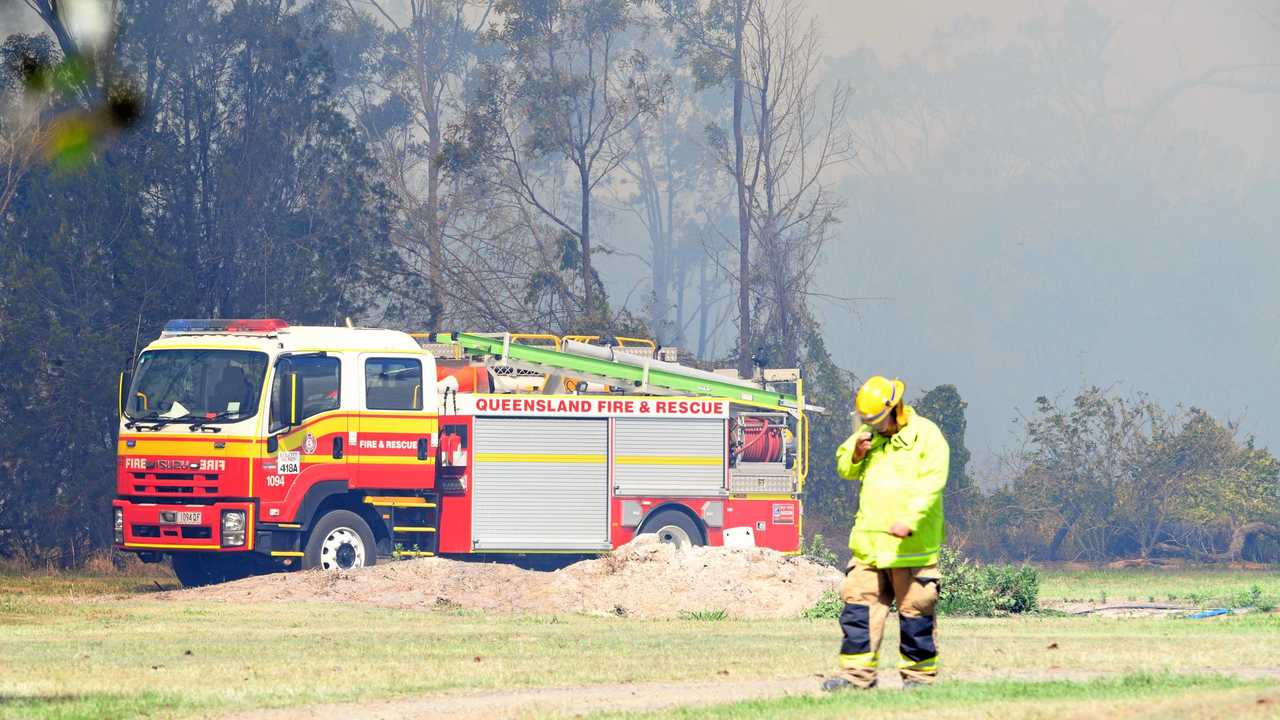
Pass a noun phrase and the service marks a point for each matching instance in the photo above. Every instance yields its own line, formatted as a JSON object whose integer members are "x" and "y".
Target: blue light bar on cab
{"x": 226, "y": 325}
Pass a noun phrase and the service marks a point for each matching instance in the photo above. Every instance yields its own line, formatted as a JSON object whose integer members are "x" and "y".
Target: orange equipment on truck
{"x": 251, "y": 445}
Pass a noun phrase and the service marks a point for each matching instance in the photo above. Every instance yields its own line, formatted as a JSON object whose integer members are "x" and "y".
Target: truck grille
{"x": 189, "y": 484}
{"x": 195, "y": 532}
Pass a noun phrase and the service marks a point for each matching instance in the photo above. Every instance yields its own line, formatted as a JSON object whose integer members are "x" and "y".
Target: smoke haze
{"x": 1051, "y": 194}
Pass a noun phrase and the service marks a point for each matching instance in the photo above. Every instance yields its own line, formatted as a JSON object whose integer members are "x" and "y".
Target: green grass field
{"x": 1203, "y": 587}
{"x": 98, "y": 646}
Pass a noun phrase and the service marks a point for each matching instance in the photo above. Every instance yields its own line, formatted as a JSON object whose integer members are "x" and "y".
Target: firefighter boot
{"x": 839, "y": 683}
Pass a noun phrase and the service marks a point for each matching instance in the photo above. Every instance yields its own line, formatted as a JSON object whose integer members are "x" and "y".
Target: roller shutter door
{"x": 669, "y": 457}
{"x": 540, "y": 484}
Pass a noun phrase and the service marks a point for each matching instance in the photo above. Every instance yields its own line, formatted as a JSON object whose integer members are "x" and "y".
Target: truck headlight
{"x": 119, "y": 512}
{"x": 232, "y": 528}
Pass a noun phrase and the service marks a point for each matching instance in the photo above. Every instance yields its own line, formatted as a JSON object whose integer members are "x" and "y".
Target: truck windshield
{"x": 208, "y": 385}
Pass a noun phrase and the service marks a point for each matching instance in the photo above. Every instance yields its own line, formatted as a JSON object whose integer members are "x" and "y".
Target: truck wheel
{"x": 341, "y": 540}
{"x": 191, "y": 569}
{"x": 675, "y": 528}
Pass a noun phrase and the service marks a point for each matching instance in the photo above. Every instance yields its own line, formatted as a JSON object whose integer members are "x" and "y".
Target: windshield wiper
{"x": 199, "y": 423}
{"x": 136, "y": 423}
{"x": 162, "y": 421}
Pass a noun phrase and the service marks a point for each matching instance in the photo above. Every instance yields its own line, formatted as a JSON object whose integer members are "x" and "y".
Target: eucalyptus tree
{"x": 670, "y": 183}
{"x": 798, "y": 139}
{"x": 552, "y": 118}
{"x": 411, "y": 64}
{"x": 712, "y": 34}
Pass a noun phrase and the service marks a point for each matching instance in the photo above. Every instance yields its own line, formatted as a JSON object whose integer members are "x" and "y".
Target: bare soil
{"x": 643, "y": 697}
{"x": 644, "y": 579}
{"x": 1119, "y": 609}
{"x": 549, "y": 702}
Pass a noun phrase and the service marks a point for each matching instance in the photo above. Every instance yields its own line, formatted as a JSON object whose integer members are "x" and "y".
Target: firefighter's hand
{"x": 861, "y": 446}
{"x": 899, "y": 530}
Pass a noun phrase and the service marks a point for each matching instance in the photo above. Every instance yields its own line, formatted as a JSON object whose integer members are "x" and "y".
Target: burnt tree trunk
{"x": 1241, "y": 535}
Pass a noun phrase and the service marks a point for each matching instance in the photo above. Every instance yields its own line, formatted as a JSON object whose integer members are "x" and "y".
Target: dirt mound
{"x": 644, "y": 578}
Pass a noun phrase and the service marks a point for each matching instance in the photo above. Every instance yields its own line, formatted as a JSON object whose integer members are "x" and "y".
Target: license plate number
{"x": 188, "y": 518}
{"x": 289, "y": 463}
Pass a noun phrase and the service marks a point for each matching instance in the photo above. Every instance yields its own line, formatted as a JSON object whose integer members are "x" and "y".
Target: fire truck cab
{"x": 249, "y": 446}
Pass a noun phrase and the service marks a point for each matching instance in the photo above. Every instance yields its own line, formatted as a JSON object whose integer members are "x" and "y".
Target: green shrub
{"x": 815, "y": 549}
{"x": 828, "y": 607}
{"x": 968, "y": 588}
{"x": 1252, "y": 598}
{"x": 703, "y": 615}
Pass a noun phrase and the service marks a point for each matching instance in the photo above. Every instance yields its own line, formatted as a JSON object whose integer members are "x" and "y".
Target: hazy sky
{"x": 1179, "y": 299}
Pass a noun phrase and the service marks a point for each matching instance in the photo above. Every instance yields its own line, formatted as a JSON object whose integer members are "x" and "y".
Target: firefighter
{"x": 901, "y": 459}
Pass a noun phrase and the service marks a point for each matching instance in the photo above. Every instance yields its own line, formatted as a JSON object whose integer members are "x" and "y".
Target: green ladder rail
{"x": 656, "y": 378}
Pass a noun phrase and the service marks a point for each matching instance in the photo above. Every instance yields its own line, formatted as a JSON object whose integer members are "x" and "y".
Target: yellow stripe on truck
{"x": 162, "y": 447}
{"x": 408, "y": 459}
{"x": 667, "y": 460}
{"x": 318, "y": 426}
{"x": 407, "y": 425}
{"x": 398, "y": 501}
{"x": 537, "y": 458}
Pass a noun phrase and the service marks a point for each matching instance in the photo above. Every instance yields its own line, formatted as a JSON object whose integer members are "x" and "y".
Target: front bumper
{"x": 151, "y": 526}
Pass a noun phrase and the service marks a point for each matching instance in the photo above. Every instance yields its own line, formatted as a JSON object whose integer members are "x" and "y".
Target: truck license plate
{"x": 189, "y": 518}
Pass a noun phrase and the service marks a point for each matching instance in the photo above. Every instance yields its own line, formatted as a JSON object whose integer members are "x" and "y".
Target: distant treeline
{"x": 1099, "y": 477}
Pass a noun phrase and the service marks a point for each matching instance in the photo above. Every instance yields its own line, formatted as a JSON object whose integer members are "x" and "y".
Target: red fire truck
{"x": 251, "y": 445}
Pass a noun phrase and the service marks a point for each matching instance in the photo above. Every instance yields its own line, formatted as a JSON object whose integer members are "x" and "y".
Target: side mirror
{"x": 120, "y": 395}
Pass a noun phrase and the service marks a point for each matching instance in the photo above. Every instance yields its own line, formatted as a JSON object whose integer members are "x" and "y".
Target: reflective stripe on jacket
{"x": 902, "y": 481}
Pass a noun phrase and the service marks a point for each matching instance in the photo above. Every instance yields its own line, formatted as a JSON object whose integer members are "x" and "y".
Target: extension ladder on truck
{"x": 637, "y": 373}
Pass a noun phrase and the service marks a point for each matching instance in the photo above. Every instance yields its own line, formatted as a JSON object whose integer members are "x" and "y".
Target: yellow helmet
{"x": 877, "y": 396}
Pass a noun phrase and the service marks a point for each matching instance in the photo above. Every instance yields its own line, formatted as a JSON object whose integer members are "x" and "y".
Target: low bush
{"x": 1253, "y": 598}
{"x": 711, "y": 615}
{"x": 815, "y": 549}
{"x": 828, "y": 607}
{"x": 968, "y": 588}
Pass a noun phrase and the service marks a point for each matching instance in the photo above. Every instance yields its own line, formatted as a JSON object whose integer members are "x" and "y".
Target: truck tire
{"x": 341, "y": 540}
{"x": 673, "y": 526}
{"x": 192, "y": 569}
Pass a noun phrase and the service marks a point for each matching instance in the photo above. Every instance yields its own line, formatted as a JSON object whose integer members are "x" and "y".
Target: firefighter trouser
{"x": 867, "y": 593}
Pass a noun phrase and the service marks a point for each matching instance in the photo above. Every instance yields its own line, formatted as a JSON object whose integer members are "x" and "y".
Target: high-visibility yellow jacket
{"x": 902, "y": 481}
